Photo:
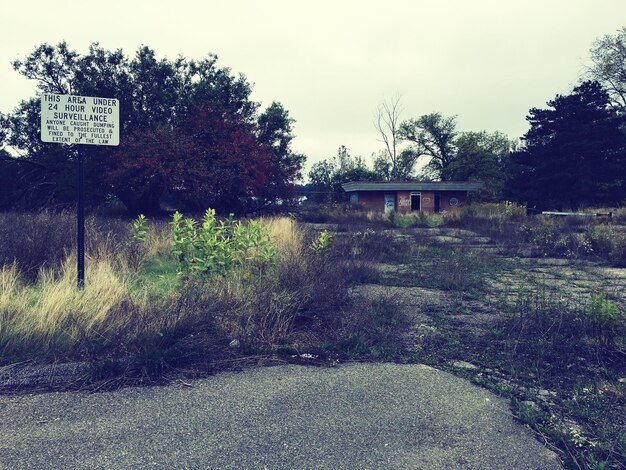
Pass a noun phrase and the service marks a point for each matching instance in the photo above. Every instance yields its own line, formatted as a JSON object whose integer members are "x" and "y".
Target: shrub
{"x": 300, "y": 294}
{"x": 504, "y": 211}
{"x": 404, "y": 221}
{"x": 432, "y": 220}
{"x": 459, "y": 269}
{"x": 44, "y": 240}
{"x": 550, "y": 237}
{"x": 601, "y": 237}
{"x": 608, "y": 243}
{"x": 498, "y": 221}
{"x": 618, "y": 251}
{"x": 218, "y": 247}
{"x": 343, "y": 214}
{"x": 421, "y": 219}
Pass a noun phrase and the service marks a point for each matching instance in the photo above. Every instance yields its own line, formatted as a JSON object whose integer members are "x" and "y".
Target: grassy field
{"x": 530, "y": 307}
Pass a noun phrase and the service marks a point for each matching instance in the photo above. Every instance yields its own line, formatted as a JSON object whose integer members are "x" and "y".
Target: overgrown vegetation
{"x": 512, "y": 309}
{"x": 492, "y": 287}
{"x": 579, "y": 237}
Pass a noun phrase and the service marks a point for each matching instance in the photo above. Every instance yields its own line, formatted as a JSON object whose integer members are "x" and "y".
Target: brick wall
{"x": 428, "y": 201}
{"x": 461, "y": 197}
{"x": 372, "y": 200}
{"x": 375, "y": 201}
{"x": 403, "y": 201}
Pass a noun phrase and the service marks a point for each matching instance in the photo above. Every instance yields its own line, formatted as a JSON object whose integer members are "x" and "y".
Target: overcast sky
{"x": 331, "y": 63}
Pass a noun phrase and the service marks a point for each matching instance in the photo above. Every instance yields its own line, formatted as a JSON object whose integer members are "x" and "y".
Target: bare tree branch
{"x": 387, "y": 124}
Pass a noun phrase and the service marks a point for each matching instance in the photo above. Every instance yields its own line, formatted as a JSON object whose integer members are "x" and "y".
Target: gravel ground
{"x": 289, "y": 417}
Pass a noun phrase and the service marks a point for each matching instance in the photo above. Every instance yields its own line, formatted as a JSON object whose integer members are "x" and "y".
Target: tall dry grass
{"x": 287, "y": 236}
{"x": 53, "y": 316}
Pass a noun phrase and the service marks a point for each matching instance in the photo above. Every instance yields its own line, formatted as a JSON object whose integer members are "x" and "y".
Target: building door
{"x": 390, "y": 203}
{"x": 416, "y": 202}
{"x": 437, "y": 201}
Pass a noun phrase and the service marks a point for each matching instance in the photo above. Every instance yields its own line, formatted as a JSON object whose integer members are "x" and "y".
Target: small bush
{"x": 495, "y": 211}
{"x": 604, "y": 322}
{"x": 321, "y": 244}
{"x": 44, "y": 240}
{"x": 609, "y": 243}
{"x": 459, "y": 269}
{"x": 36, "y": 240}
{"x": 419, "y": 219}
{"x": 405, "y": 221}
{"x": 601, "y": 237}
{"x": 302, "y": 293}
{"x": 218, "y": 247}
{"x": 618, "y": 251}
{"x": 434, "y": 220}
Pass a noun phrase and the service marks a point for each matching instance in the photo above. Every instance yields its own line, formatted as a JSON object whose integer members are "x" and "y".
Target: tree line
{"x": 190, "y": 135}
{"x": 573, "y": 154}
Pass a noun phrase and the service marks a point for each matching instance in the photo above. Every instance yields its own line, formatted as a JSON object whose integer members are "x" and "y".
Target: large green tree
{"x": 480, "y": 156}
{"x": 275, "y": 129}
{"x": 402, "y": 169}
{"x": 432, "y": 135}
{"x": 327, "y": 176}
{"x": 573, "y": 154}
{"x": 454, "y": 155}
{"x": 183, "y": 124}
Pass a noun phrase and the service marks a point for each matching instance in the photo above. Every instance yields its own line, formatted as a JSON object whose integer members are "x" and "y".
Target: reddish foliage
{"x": 215, "y": 161}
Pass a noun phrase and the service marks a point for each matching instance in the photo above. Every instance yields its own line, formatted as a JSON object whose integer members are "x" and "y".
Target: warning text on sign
{"x": 70, "y": 119}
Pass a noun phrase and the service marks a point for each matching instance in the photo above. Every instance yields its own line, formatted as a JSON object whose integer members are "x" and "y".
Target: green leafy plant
{"x": 431, "y": 220}
{"x": 136, "y": 250}
{"x": 218, "y": 247}
{"x": 404, "y": 221}
{"x": 322, "y": 242}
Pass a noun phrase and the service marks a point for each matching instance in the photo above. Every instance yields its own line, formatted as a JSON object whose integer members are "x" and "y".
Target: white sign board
{"x": 70, "y": 119}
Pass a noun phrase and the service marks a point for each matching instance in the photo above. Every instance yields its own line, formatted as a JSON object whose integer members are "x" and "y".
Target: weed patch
{"x": 373, "y": 330}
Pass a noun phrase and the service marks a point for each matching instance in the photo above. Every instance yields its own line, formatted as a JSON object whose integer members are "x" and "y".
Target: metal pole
{"x": 80, "y": 254}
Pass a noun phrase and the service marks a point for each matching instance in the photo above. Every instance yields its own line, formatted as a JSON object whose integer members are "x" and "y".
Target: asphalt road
{"x": 359, "y": 416}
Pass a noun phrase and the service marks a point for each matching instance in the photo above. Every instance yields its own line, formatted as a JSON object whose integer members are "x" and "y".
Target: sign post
{"x": 80, "y": 218}
{"x": 80, "y": 121}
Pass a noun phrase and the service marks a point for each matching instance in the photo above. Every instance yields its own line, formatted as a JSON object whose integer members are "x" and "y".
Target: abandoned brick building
{"x": 409, "y": 196}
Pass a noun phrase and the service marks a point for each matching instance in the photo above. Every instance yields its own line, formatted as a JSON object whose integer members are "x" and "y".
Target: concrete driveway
{"x": 375, "y": 416}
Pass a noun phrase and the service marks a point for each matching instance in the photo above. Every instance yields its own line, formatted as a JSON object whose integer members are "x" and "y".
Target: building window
{"x": 454, "y": 201}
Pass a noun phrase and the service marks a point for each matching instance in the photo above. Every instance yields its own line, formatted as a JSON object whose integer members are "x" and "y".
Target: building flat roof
{"x": 411, "y": 186}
